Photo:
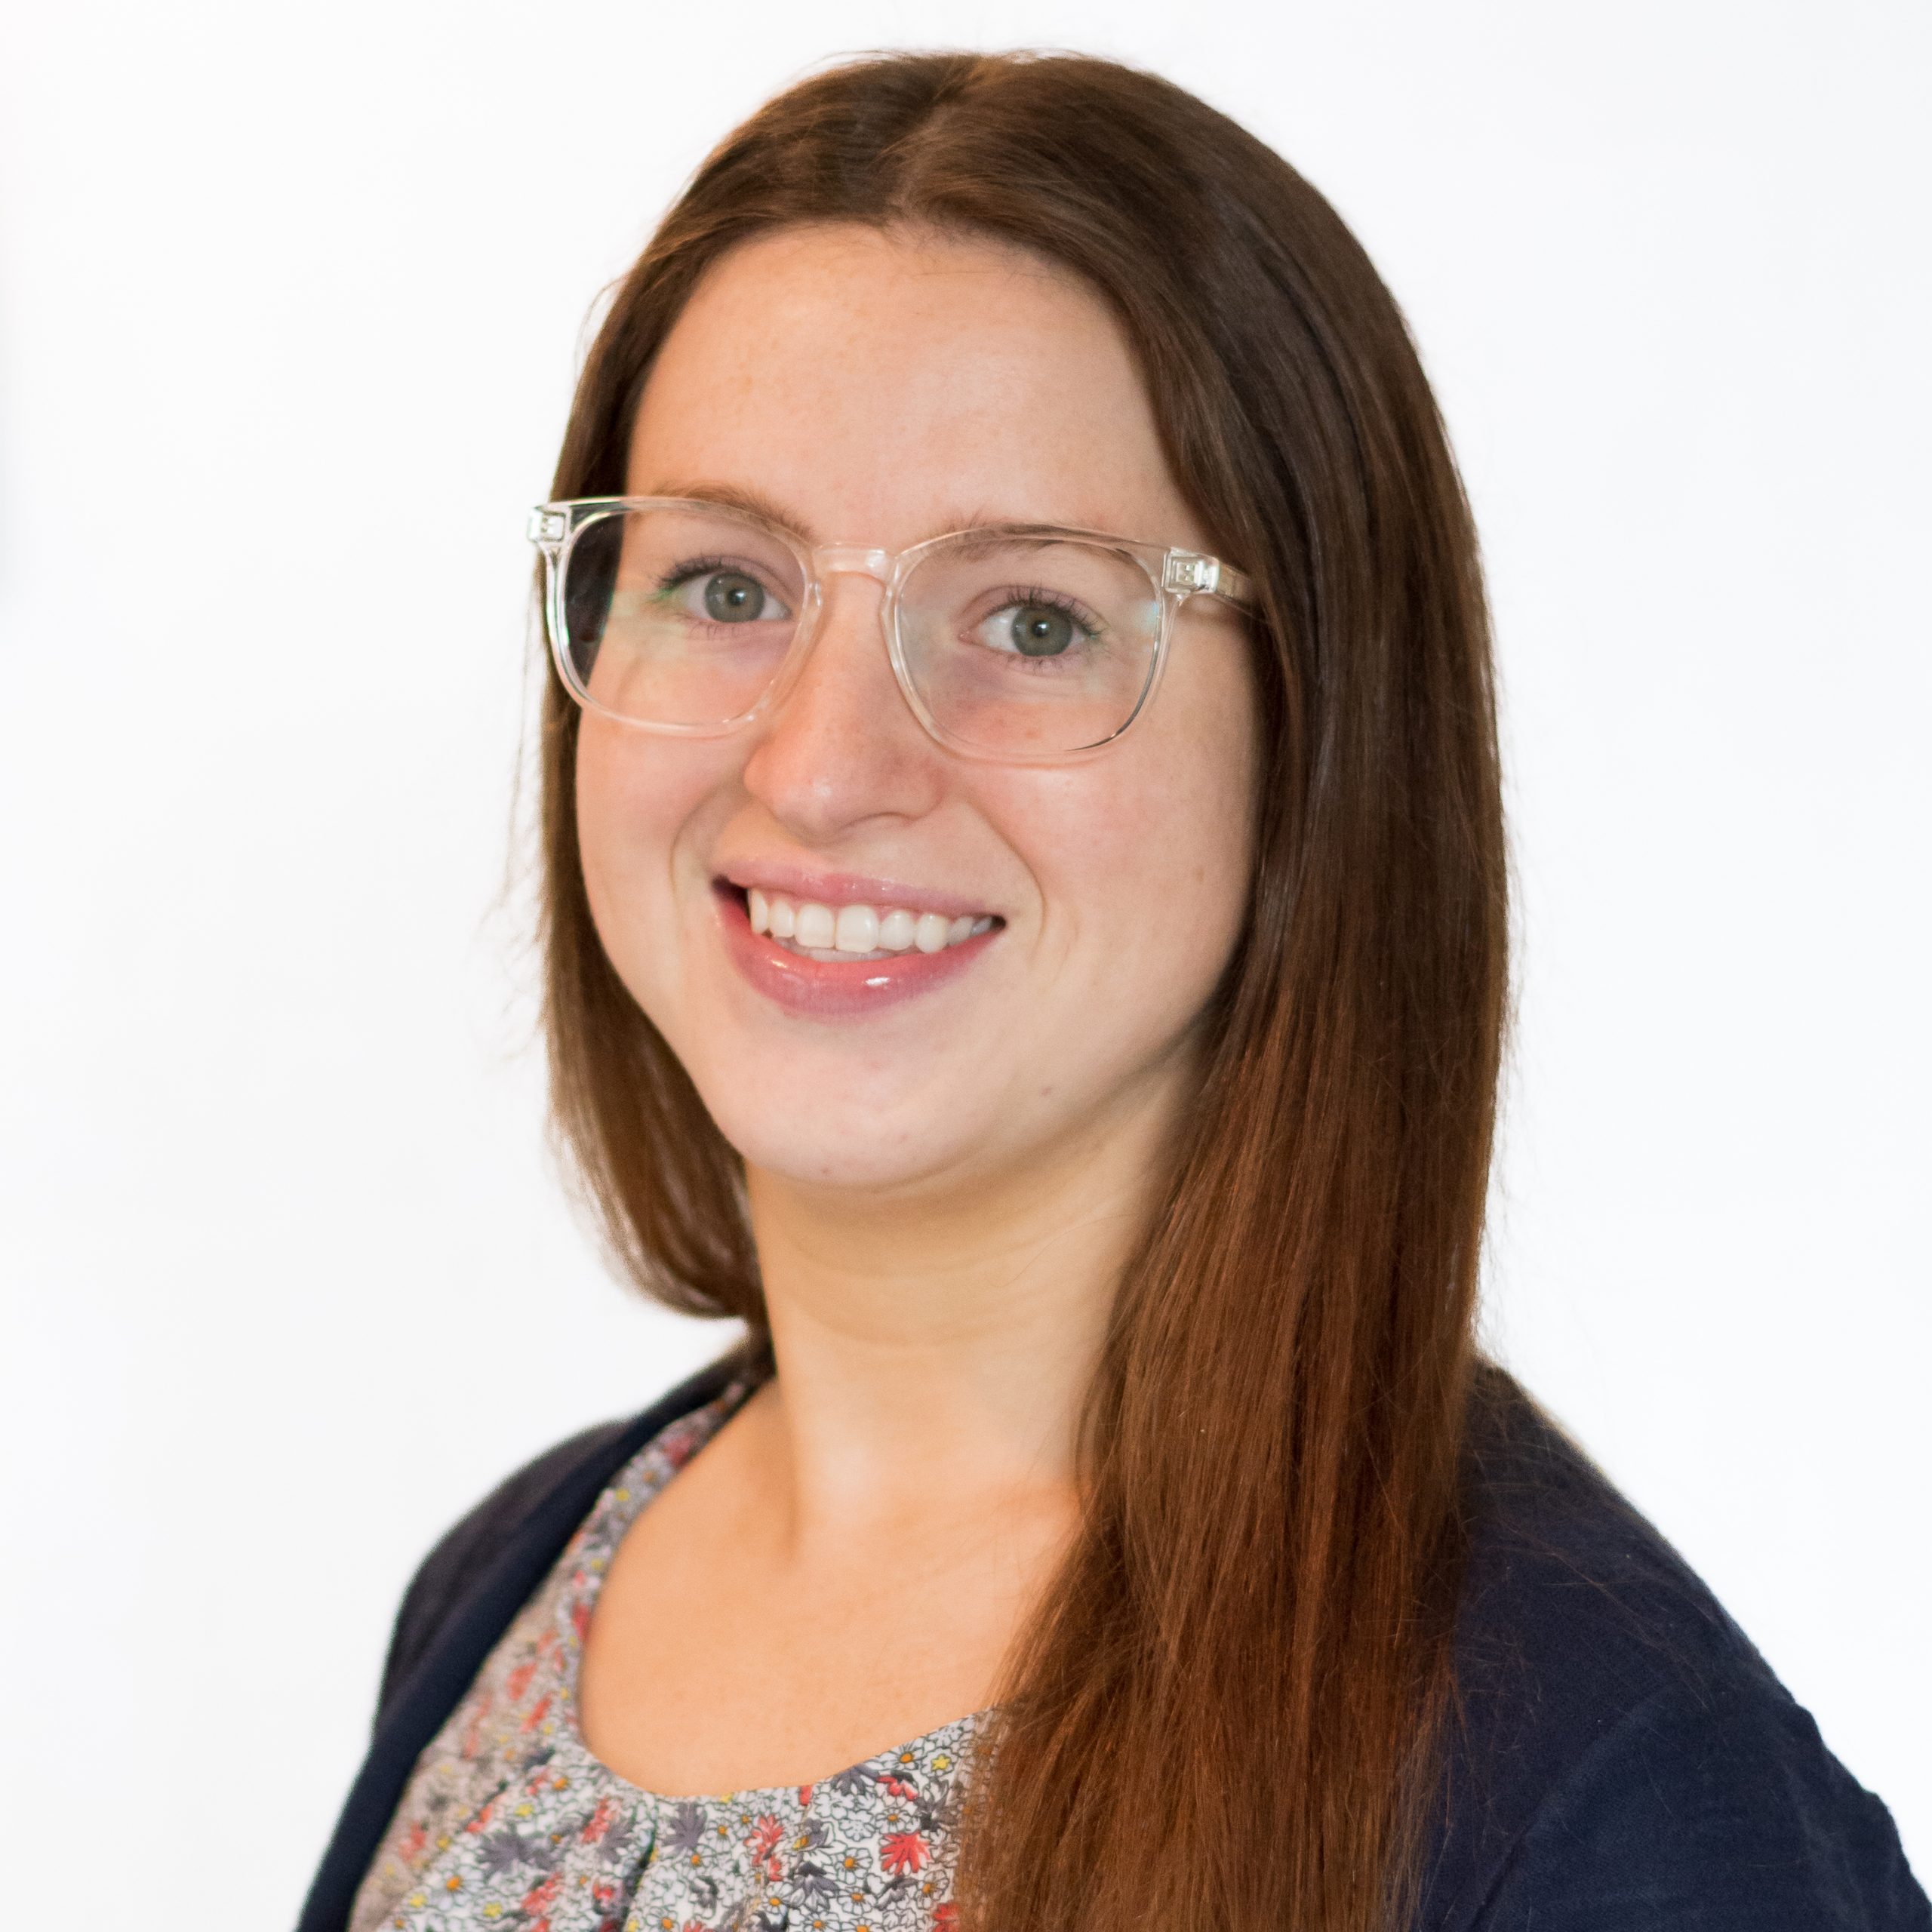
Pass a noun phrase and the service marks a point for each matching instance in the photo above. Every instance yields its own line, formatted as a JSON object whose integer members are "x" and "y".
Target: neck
{"x": 935, "y": 1351}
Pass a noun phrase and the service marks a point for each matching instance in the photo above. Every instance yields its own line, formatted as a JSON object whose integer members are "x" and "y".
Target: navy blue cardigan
{"x": 1622, "y": 1757}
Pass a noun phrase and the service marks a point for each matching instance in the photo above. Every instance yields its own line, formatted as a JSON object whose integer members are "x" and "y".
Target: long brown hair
{"x": 1220, "y": 1718}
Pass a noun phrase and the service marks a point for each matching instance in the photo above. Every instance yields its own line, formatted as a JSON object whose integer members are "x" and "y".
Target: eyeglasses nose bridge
{"x": 853, "y": 560}
{"x": 831, "y": 560}
{"x": 828, "y": 561}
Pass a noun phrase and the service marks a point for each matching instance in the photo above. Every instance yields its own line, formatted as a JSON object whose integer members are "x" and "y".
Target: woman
{"x": 1026, "y": 926}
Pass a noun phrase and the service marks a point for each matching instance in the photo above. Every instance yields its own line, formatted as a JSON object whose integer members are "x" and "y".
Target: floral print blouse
{"x": 507, "y": 1821}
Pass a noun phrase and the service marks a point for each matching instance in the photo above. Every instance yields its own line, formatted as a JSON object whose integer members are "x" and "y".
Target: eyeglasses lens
{"x": 678, "y": 616}
{"x": 1015, "y": 645}
{"x": 1028, "y": 647}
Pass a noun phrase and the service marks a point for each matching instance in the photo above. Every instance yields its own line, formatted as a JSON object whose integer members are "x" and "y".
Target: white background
{"x": 293, "y": 296}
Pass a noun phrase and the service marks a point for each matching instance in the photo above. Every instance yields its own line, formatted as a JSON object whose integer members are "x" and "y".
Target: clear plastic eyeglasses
{"x": 1017, "y": 642}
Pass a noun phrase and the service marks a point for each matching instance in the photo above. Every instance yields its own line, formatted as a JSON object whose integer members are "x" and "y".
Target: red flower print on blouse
{"x": 763, "y": 1843}
{"x": 537, "y": 1902}
{"x": 472, "y": 1736}
{"x": 903, "y": 1851}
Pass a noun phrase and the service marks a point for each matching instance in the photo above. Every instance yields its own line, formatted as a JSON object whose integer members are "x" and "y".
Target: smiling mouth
{"x": 853, "y": 933}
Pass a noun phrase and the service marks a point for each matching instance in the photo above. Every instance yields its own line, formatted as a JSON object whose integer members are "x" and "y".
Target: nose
{"x": 841, "y": 748}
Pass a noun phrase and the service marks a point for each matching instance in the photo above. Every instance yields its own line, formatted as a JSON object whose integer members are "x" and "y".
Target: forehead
{"x": 887, "y": 386}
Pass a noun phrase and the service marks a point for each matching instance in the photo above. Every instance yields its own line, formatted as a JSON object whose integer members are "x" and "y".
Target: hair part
{"x": 1246, "y": 1651}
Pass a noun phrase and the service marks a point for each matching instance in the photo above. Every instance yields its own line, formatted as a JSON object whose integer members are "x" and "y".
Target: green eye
{"x": 1040, "y": 632}
{"x": 730, "y": 597}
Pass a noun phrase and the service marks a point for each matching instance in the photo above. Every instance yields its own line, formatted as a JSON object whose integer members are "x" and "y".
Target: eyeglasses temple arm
{"x": 1195, "y": 576}
{"x": 1236, "y": 586}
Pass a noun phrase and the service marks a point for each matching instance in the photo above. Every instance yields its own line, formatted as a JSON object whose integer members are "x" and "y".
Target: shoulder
{"x": 461, "y": 1601}
{"x": 445, "y": 1576}
{"x": 540, "y": 1503}
{"x": 1619, "y": 1753}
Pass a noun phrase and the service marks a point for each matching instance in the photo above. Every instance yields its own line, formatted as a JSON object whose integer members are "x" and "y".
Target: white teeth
{"x": 856, "y": 931}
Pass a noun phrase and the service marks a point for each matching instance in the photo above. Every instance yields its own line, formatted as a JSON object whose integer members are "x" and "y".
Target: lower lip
{"x": 837, "y": 989}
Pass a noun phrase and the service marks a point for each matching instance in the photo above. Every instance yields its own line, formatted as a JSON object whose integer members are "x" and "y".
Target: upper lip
{"x": 802, "y": 887}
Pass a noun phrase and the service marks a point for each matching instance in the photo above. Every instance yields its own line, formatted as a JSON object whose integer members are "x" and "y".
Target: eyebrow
{"x": 734, "y": 496}
{"x": 754, "y": 502}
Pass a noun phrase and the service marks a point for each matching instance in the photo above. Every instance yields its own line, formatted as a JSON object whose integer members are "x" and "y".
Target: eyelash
{"x": 680, "y": 574}
{"x": 1038, "y": 597}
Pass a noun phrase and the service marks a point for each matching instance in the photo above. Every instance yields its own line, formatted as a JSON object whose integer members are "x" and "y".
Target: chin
{"x": 868, "y": 1145}
{"x": 877, "y": 1164}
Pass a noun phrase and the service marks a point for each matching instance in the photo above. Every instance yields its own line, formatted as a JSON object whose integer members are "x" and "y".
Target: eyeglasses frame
{"x": 1175, "y": 575}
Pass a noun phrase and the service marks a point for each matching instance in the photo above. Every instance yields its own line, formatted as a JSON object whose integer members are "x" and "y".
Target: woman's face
{"x": 880, "y": 390}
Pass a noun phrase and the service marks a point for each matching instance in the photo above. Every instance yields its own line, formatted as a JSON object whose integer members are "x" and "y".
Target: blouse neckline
{"x": 630, "y": 1492}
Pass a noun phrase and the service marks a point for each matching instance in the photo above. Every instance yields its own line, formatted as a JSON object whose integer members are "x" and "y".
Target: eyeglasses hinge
{"x": 547, "y": 526}
{"x": 1186, "y": 571}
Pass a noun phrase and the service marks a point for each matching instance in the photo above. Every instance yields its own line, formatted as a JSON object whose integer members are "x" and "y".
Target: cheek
{"x": 636, "y": 796}
{"x": 615, "y": 819}
{"x": 1143, "y": 859}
